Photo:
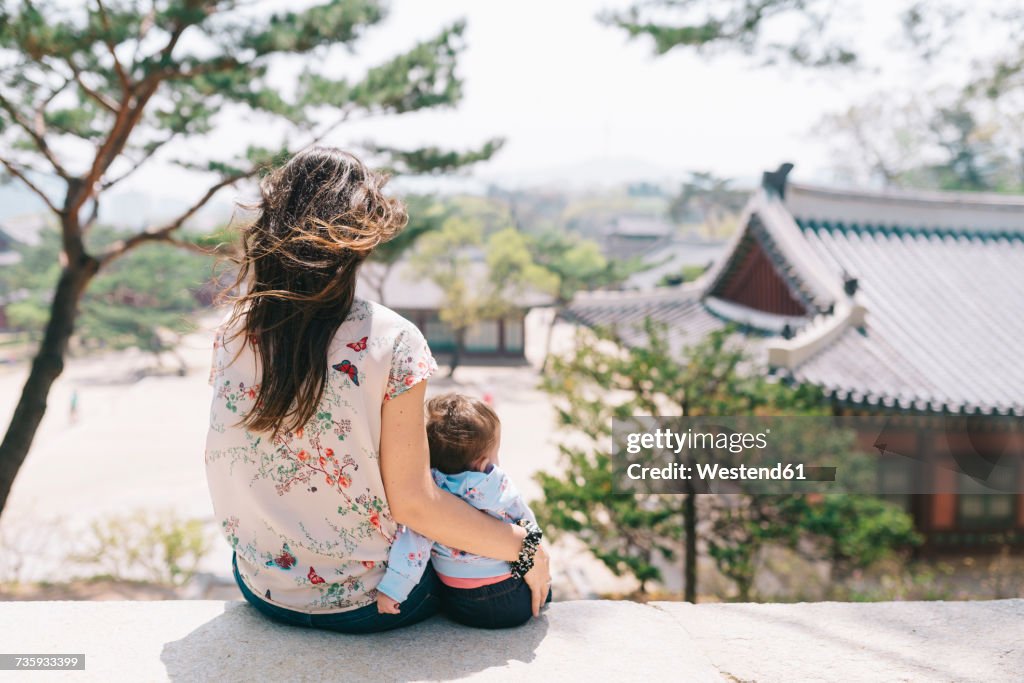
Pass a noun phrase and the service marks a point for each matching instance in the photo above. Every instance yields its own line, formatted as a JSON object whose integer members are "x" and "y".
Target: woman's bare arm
{"x": 414, "y": 499}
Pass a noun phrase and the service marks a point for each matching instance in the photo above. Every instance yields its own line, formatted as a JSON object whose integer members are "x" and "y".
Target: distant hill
{"x": 134, "y": 210}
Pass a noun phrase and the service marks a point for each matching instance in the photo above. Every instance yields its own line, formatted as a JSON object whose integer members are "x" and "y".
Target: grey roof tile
{"x": 945, "y": 316}
{"x": 941, "y": 277}
{"x": 681, "y": 309}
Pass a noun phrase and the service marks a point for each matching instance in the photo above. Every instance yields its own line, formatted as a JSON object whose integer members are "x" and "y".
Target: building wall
{"x": 503, "y": 337}
{"x": 960, "y": 516}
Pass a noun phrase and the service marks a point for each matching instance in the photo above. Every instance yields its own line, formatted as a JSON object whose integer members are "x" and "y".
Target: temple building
{"x": 498, "y": 338}
{"x": 894, "y": 303}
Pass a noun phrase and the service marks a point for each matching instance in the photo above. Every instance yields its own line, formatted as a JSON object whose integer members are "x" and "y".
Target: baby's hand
{"x": 386, "y": 605}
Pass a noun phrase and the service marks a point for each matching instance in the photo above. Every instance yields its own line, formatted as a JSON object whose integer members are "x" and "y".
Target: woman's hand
{"x": 539, "y": 579}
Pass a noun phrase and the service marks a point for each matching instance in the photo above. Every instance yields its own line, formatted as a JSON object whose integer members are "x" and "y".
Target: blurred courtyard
{"x": 136, "y": 447}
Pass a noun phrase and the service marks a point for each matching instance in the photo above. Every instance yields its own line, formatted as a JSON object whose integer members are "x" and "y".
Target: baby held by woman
{"x": 464, "y": 435}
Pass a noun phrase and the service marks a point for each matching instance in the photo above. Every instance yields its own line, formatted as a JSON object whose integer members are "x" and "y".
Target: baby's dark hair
{"x": 460, "y": 429}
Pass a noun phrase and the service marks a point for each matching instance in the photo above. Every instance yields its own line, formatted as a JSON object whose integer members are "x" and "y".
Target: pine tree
{"x": 144, "y": 300}
{"x": 578, "y": 265}
{"x": 90, "y": 93}
{"x": 606, "y": 378}
{"x": 482, "y": 277}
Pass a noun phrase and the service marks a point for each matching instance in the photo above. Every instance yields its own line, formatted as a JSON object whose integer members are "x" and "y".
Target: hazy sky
{"x": 569, "y": 92}
{"x": 579, "y": 102}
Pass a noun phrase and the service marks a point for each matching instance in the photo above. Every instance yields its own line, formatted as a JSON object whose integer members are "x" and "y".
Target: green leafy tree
{"x": 143, "y": 300}
{"x": 973, "y": 159}
{"x": 685, "y": 274}
{"x": 715, "y": 26}
{"x": 808, "y": 33}
{"x": 709, "y": 199}
{"x": 577, "y": 265}
{"x": 942, "y": 142}
{"x": 741, "y": 525}
{"x": 90, "y": 93}
{"x": 971, "y": 140}
{"x": 425, "y": 216}
{"x": 847, "y": 531}
{"x": 482, "y": 277}
{"x": 853, "y": 532}
{"x": 605, "y": 379}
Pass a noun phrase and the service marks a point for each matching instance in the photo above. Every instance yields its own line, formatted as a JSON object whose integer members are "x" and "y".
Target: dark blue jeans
{"x": 423, "y": 602}
{"x": 500, "y": 605}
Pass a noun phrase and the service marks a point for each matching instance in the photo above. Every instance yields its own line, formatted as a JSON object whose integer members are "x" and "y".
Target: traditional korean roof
{"x": 630, "y": 236}
{"x": 904, "y": 300}
{"x": 680, "y": 309}
{"x": 670, "y": 257}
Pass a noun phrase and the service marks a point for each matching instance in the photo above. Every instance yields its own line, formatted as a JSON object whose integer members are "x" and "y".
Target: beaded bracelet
{"x": 532, "y": 541}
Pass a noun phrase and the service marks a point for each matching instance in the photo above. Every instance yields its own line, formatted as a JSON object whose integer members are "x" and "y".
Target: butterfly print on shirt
{"x": 284, "y": 560}
{"x": 346, "y": 367}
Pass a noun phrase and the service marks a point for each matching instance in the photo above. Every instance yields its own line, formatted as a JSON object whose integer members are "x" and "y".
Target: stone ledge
{"x": 229, "y": 641}
{"x": 852, "y": 642}
{"x": 578, "y": 640}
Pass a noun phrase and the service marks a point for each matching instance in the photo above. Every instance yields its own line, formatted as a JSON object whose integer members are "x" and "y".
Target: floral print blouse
{"x": 306, "y": 512}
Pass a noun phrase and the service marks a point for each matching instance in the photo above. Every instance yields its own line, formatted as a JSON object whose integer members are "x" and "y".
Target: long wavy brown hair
{"x": 320, "y": 215}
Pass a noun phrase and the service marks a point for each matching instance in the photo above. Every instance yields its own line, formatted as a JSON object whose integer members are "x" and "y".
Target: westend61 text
{"x": 714, "y": 472}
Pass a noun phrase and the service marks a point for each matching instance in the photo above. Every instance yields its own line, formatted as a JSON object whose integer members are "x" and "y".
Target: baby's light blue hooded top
{"x": 492, "y": 492}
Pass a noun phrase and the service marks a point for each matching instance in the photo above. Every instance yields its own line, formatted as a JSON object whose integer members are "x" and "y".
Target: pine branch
{"x": 346, "y": 114}
{"x": 434, "y": 159}
{"x": 95, "y": 95}
{"x": 37, "y": 137}
{"x": 16, "y": 172}
{"x": 224, "y": 63}
{"x": 147, "y": 155}
{"x": 147, "y": 22}
{"x": 192, "y": 246}
{"x": 126, "y": 84}
{"x": 93, "y": 215}
{"x": 165, "y": 232}
{"x": 41, "y": 109}
{"x": 737, "y": 25}
{"x": 128, "y": 118}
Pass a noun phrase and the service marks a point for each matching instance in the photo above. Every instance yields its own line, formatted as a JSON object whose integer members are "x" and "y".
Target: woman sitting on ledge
{"x": 317, "y": 449}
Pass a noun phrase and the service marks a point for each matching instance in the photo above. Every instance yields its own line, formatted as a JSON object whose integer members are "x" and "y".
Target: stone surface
{"x": 830, "y": 641}
{"x": 576, "y": 640}
{"x": 229, "y": 641}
